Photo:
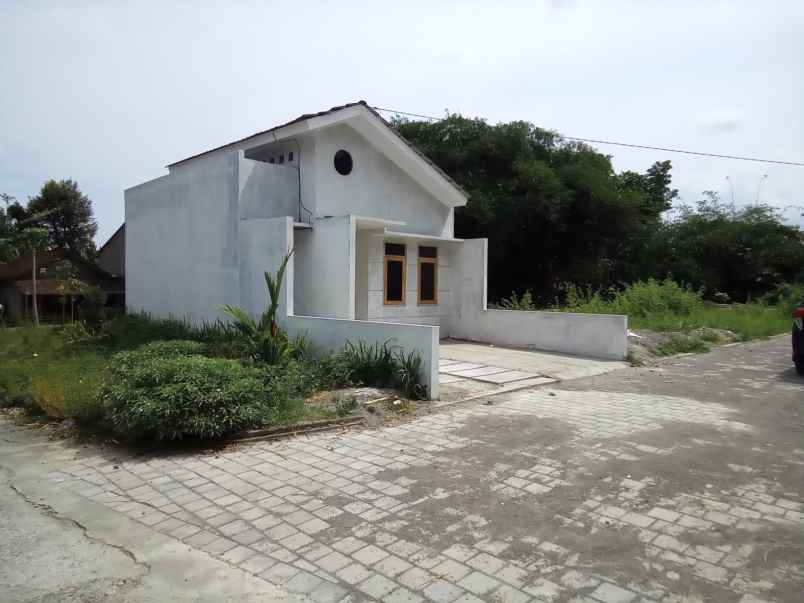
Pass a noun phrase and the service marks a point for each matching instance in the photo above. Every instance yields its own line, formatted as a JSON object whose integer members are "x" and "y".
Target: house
{"x": 55, "y": 269}
{"x": 112, "y": 255}
{"x": 369, "y": 220}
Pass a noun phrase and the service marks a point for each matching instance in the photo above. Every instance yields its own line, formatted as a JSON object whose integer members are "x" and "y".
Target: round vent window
{"x": 343, "y": 162}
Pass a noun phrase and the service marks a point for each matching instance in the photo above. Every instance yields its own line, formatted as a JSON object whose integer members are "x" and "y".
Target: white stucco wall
{"x": 263, "y": 246}
{"x": 376, "y": 187}
{"x": 410, "y": 312}
{"x": 593, "y": 335}
{"x": 329, "y": 334}
{"x": 325, "y": 268}
{"x": 267, "y": 190}
{"x": 182, "y": 240}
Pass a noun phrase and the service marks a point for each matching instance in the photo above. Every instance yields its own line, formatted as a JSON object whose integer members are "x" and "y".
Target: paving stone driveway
{"x": 589, "y": 493}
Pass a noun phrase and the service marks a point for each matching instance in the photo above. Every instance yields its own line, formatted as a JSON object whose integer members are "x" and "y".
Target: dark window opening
{"x": 394, "y": 274}
{"x": 343, "y": 162}
{"x": 290, "y": 156}
{"x": 395, "y": 249}
{"x": 428, "y": 252}
{"x": 427, "y": 282}
{"x": 281, "y": 159}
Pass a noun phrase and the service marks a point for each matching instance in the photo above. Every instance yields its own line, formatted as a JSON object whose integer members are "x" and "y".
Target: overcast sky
{"x": 107, "y": 93}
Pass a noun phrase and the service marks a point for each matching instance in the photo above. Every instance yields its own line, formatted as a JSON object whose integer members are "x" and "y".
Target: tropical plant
{"x": 371, "y": 364}
{"x": 409, "y": 370}
{"x": 265, "y": 341}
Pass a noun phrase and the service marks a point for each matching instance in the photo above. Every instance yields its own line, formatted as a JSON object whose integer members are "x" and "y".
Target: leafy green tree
{"x": 11, "y": 215}
{"x": 743, "y": 252}
{"x": 554, "y": 210}
{"x": 66, "y": 213}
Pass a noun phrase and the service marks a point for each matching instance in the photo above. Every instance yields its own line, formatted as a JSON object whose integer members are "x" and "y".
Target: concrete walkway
{"x": 678, "y": 483}
{"x": 468, "y": 370}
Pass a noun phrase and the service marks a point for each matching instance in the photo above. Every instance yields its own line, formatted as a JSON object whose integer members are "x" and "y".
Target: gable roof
{"x": 308, "y": 116}
{"x": 21, "y": 267}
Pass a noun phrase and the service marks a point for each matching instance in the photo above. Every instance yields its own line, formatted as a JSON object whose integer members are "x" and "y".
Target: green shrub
{"x": 524, "y": 303}
{"x": 176, "y": 347}
{"x": 93, "y": 305}
{"x": 409, "y": 372}
{"x": 640, "y": 299}
{"x": 679, "y": 344}
{"x": 371, "y": 364}
{"x": 166, "y": 398}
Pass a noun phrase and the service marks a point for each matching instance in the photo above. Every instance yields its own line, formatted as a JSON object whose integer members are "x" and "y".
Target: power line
{"x": 634, "y": 146}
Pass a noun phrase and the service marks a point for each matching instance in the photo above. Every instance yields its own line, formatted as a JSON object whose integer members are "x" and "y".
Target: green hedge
{"x": 148, "y": 395}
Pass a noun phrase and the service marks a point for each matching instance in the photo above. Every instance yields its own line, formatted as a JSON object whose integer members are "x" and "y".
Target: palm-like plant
{"x": 266, "y": 340}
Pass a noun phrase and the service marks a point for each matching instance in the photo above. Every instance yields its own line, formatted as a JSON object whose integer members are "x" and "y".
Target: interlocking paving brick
{"x": 370, "y": 555}
{"x": 415, "y": 578}
{"x": 610, "y": 593}
{"x": 345, "y": 509}
{"x": 391, "y": 566}
{"x": 478, "y": 583}
{"x": 334, "y": 561}
{"x": 354, "y": 573}
{"x": 377, "y": 586}
{"x": 441, "y": 591}
{"x": 486, "y": 563}
{"x": 279, "y": 573}
{"x": 451, "y": 570}
{"x": 402, "y": 595}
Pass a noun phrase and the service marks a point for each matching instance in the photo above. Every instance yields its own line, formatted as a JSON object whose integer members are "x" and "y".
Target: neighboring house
{"x": 54, "y": 301}
{"x": 369, "y": 220}
{"x": 112, "y": 255}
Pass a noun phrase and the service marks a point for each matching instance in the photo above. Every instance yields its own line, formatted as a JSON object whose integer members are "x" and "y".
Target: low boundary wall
{"x": 594, "y": 335}
{"x": 331, "y": 334}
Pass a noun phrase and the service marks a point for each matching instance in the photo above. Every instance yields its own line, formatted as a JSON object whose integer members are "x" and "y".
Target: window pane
{"x": 393, "y": 283}
{"x": 394, "y": 249}
{"x": 428, "y": 252}
{"x": 427, "y": 281}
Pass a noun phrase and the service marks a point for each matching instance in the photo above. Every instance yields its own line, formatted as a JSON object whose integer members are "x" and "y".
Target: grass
{"x": 679, "y": 344}
{"x": 667, "y": 306}
{"x": 38, "y": 371}
{"x": 747, "y": 321}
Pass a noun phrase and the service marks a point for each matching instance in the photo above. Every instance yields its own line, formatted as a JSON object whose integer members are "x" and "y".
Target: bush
{"x": 524, "y": 303}
{"x": 679, "y": 344}
{"x": 93, "y": 305}
{"x": 379, "y": 365}
{"x": 371, "y": 364}
{"x": 640, "y": 299}
{"x": 147, "y": 396}
{"x": 168, "y": 349}
{"x": 129, "y": 331}
{"x": 409, "y": 372}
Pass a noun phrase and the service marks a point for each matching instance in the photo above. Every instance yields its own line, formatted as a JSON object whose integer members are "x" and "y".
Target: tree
{"x": 11, "y": 213}
{"x": 33, "y": 239}
{"x": 554, "y": 209}
{"x": 743, "y": 252}
{"x": 66, "y": 213}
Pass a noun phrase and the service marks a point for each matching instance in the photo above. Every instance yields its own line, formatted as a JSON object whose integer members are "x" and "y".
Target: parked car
{"x": 798, "y": 338}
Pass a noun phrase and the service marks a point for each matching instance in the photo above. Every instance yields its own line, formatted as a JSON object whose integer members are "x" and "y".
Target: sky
{"x": 108, "y": 93}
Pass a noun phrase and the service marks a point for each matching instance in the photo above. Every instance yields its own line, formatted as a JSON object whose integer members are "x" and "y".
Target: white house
{"x": 370, "y": 221}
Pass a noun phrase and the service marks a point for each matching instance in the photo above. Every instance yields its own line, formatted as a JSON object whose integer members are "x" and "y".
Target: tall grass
{"x": 668, "y": 306}
{"x": 37, "y": 370}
